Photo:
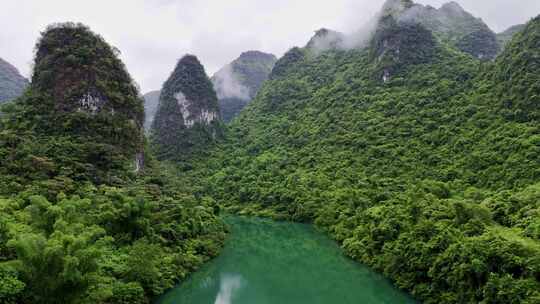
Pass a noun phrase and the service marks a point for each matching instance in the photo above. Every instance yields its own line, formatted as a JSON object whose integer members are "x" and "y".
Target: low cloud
{"x": 227, "y": 85}
{"x": 153, "y": 34}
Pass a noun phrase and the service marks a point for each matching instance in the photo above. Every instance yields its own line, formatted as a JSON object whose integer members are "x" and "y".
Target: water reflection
{"x": 228, "y": 285}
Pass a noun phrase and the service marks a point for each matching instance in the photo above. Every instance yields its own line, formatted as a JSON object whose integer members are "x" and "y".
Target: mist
{"x": 153, "y": 34}
{"x": 227, "y": 85}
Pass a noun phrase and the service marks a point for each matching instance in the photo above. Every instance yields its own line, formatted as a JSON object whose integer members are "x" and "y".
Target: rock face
{"x": 12, "y": 84}
{"x": 237, "y": 83}
{"x": 399, "y": 42}
{"x": 187, "y": 118}
{"x": 450, "y": 23}
{"x": 80, "y": 88}
{"x": 151, "y": 102}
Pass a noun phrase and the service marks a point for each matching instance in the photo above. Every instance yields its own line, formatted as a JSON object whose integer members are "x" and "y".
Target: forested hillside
{"x": 507, "y": 35}
{"x": 450, "y": 23}
{"x": 12, "y": 83}
{"x": 85, "y": 215}
{"x": 187, "y": 120}
{"x": 422, "y": 161}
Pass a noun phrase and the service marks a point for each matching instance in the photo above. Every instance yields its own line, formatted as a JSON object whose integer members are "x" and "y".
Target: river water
{"x": 268, "y": 262}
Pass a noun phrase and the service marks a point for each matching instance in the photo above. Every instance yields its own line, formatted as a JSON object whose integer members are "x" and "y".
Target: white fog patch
{"x": 417, "y": 13}
{"x": 360, "y": 38}
{"x": 413, "y": 14}
{"x": 229, "y": 284}
{"x": 345, "y": 41}
{"x": 227, "y": 85}
{"x": 445, "y": 19}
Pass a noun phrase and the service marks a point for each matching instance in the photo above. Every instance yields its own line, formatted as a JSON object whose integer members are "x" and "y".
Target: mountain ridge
{"x": 421, "y": 174}
{"x": 12, "y": 83}
{"x": 238, "y": 82}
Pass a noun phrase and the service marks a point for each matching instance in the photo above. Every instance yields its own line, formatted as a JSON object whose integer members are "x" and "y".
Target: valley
{"x": 399, "y": 163}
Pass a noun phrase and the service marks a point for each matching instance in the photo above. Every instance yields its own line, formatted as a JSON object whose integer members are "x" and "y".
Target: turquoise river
{"x": 268, "y": 262}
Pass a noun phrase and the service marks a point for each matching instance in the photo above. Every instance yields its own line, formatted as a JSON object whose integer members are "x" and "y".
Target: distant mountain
{"x": 237, "y": 83}
{"x": 12, "y": 84}
{"x": 505, "y": 37}
{"x": 151, "y": 102}
{"x": 451, "y": 23}
{"x": 187, "y": 118}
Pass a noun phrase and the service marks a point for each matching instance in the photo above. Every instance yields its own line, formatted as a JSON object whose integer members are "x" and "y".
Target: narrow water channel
{"x": 268, "y": 262}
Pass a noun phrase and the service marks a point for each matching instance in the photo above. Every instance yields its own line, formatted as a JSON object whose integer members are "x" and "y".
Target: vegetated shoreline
{"x": 315, "y": 234}
{"x": 428, "y": 175}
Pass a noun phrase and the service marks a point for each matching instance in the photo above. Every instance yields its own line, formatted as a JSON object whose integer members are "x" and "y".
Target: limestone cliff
{"x": 187, "y": 118}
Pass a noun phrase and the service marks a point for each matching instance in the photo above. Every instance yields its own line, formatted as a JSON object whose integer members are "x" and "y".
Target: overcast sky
{"x": 153, "y": 34}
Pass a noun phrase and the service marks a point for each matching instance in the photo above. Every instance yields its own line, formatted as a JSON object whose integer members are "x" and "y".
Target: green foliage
{"x": 456, "y": 27}
{"x": 517, "y": 73}
{"x": 128, "y": 293}
{"x": 506, "y": 36}
{"x": 80, "y": 87}
{"x": 187, "y": 119}
{"x": 481, "y": 43}
{"x": 428, "y": 177}
{"x": 129, "y": 240}
{"x": 77, "y": 223}
{"x": 10, "y": 285}
{"x": 396, "y": 45}
{"x": 60, "y": 266}
{"x": 286, "y": 62}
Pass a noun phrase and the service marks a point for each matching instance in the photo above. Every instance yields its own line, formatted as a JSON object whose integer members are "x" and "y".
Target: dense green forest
{"x": 187, "y": 118}
{"x": 417, "y": 153}
{"x": 78, "y": 224}
{"x": 420, "y": 160}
